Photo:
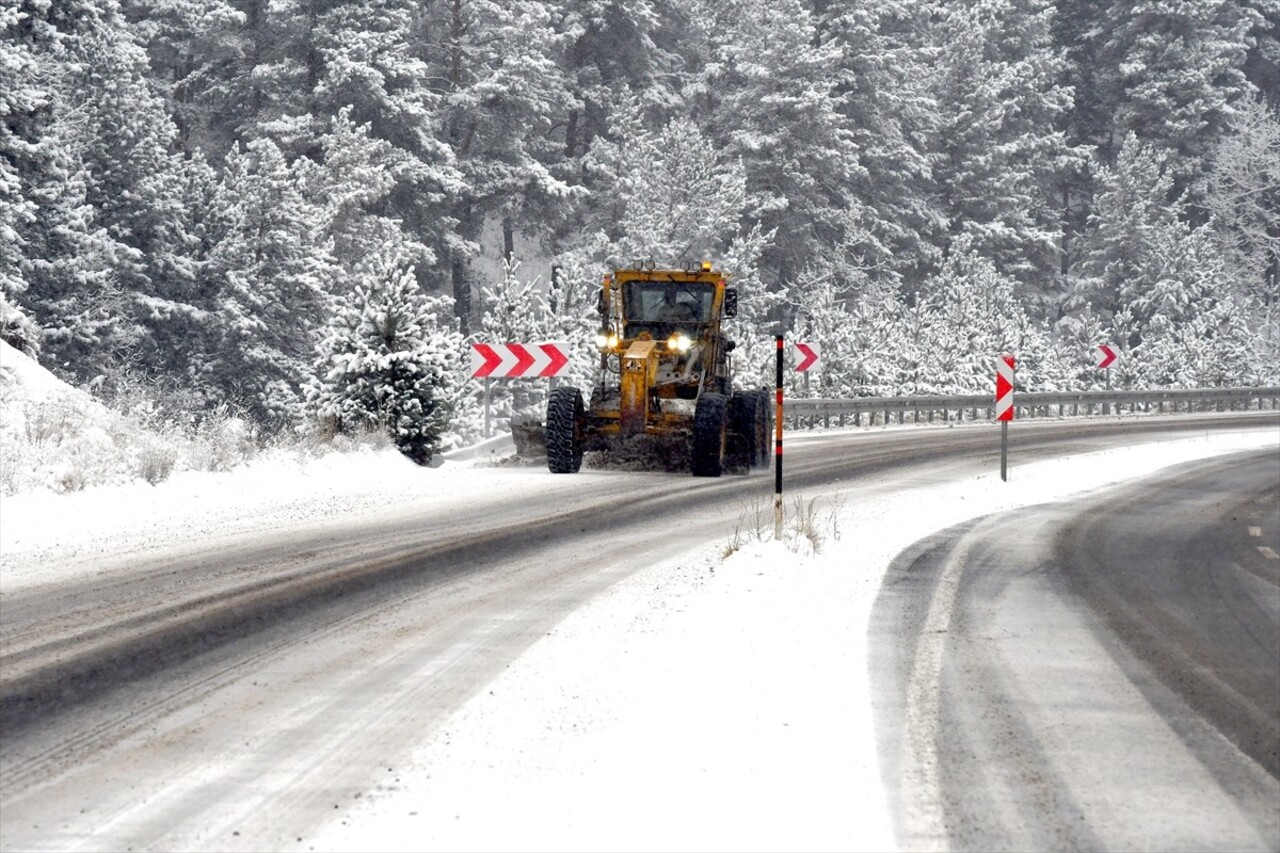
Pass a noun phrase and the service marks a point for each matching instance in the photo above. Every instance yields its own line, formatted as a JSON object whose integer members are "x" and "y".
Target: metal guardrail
{"x": 868, "y": 411}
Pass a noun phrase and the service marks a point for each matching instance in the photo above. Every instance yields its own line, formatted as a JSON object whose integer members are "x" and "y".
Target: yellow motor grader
{"x": 665, "y": 392}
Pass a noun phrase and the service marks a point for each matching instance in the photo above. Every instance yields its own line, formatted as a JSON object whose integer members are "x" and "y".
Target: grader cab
{"x": 665, "y": 392}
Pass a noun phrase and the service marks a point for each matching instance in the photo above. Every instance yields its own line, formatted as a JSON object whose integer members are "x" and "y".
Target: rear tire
{"x": 565, "y": 418}
{"x": 765, "y": 414}
{"x": 707, "y": 453}
{"x": 742, "y": 450}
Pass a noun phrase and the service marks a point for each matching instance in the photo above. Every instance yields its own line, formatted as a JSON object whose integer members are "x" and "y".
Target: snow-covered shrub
{"x": 221, "y": 441}
{"x": 155, "y": 458}
{"x": 387, "y": 361}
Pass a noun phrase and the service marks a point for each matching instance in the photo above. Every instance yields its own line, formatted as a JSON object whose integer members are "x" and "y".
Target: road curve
{"x": 234, "y": 695}
{"x": 137, "y": 614}
{"x": 1100, "y": 674}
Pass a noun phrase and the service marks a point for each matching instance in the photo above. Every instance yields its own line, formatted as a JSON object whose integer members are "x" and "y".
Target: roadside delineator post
{"x": 1106, "y": 356}
{"x": 777, "y": 447}
{"x": 1004, "y": 408}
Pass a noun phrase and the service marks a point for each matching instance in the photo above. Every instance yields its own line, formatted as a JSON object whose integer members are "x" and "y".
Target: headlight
{"x": 606, "y": 339}
{"x": 679, "y": 342}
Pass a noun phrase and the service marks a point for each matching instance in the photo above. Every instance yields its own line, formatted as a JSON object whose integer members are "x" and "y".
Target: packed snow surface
{"x": 708, "y": 702}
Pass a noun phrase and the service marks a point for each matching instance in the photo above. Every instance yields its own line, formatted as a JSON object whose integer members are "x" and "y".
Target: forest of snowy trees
{"x": 302, "y": 211}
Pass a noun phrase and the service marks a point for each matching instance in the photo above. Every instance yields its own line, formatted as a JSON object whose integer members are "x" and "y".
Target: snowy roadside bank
{"x": 706, "y": 703}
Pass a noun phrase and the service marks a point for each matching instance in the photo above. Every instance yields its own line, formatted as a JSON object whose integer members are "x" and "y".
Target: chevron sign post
{"x": 1004, "y": 388}
{"x": 1004, "y": 408}
{"x": 519, "y": 361}
{"x": 1106, "y": 357}
{"x": 516, "y": 361}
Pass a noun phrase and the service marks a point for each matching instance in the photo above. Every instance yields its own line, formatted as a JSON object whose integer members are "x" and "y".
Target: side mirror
{"x": 730, "y": 346}
{"x": 731, "y": 302}
{"x": 601, "y": 308}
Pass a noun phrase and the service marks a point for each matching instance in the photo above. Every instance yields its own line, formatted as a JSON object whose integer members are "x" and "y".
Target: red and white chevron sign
{"x": 809, "y": 356}
{"x": 1106, "y": 355}
{"x": 1004, "y": 388}
{"x": 517, "y": 361}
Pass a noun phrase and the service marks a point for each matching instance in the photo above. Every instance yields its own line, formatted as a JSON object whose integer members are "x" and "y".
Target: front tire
{"x": 707, "y": 454}
{"x": 565, "y": 418}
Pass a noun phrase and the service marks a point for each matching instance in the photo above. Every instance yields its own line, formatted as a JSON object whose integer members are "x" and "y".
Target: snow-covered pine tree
{"x": 20, "y": 100}
{"x": 624, "y": 67}
{"x": 972, "y": 318}
{"x": 878, "y": 340}
{"x": 374, "y": 89}
{"x": 768, "y": 97}
{"x": 1078, "y": 342}
{"x": 972, "y": 315}
{"x": 1161, "y": 281}
{"x": 615, "y": 53}
{"x": 57, "y": 263}
{"x": 1262, "y": 66}
{"x": 1136, "y": 201}
{"x": 883, "y": 91}
{"x": 141, "y": 192}
{"x": 675, "y": 197}
{"x": 1001, "y": 153}
{"x": 819, "y": 306}
{"x": 358, "y": 175}
{"x": 387, "y": 360}
{"x": 1243, "y": 197}
{"x": 1179, "y": 71}
{"x": 501, "y": 93}
{"x": 197, "y": 50}
{"x": 269, "y": 272}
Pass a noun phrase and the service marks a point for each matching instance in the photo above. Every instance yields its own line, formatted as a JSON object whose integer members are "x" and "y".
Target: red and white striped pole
{"x": 1004, "y": 408}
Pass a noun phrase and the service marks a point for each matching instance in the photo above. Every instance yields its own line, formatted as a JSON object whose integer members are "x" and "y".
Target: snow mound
{"x": 53, "y": 436}
{"x": 24, "y": 380}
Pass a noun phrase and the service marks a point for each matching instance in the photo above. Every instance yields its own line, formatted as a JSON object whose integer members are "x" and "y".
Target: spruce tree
{"x": 269, "y": 272}
{"x": 883, "y": 91}
{"x": 387, "y": 361}
{"x": 501, "y": 92}
{"x": 771, "y": 101}
{"x": 1179, "y": 72}
{"x": 1002, "y": 154}
{"x": 1243, "y": 196}
{"x": 197, "y": 51}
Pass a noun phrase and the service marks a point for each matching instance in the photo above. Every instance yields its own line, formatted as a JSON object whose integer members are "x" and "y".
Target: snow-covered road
{"x": 700, "y": 702}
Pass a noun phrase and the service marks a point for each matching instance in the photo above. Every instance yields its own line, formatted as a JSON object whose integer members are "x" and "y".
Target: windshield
{"x": 668, "y": 302}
